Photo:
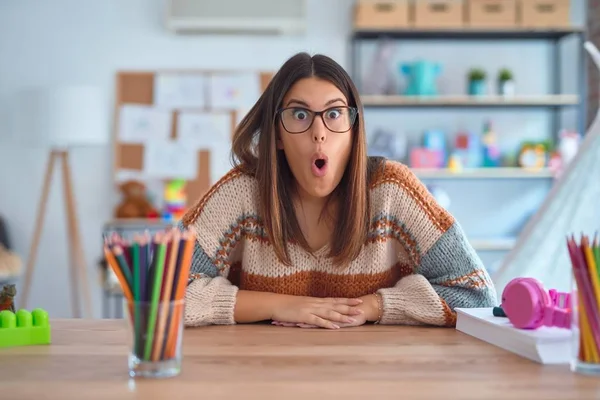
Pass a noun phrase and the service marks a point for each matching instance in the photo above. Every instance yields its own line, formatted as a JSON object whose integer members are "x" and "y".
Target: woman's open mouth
{"x": 319, "y": 165}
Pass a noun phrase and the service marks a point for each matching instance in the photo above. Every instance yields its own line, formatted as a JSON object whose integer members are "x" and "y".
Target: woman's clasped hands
{"x": 315, "y": 312}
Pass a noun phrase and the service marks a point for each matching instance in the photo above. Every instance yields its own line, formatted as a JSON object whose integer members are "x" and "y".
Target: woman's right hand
{"x": 322, "y": 312}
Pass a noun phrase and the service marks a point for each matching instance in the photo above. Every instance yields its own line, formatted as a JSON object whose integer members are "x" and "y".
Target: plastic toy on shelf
{"x": 435, "y": 140}
{"x": 568, "y": 145}
{"x": 24, "y": 328}
{"x": 491, "y": 152}
{"x": 533, "y": 155}
{"x": 468, "y": 148}
{"x": 421, "y": 77}
{"x": 455, "y": 163}
{"x": 175, "y": 200}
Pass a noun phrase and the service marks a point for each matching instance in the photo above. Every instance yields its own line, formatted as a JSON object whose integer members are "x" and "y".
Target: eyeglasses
{"x": 337, "y": 119}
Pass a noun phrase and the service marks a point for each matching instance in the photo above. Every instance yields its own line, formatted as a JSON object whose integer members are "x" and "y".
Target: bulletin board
{"x": 138, "y": 89}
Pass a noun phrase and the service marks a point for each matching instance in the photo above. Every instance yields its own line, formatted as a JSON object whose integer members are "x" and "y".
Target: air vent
{"x": 271, "y": 17}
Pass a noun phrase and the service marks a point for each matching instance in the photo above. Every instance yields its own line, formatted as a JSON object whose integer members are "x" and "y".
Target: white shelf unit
{"x": 554, "y": 102}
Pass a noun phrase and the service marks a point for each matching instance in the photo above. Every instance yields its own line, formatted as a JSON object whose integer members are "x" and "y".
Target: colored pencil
{"x": 181, "y": 284}
{"x": 152, "y": 271}
{"x": 183, "y": 238}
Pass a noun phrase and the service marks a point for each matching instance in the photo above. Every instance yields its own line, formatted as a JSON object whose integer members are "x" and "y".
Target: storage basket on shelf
{"x": 382, "y": 14}
{"x": 496, "y": 14}
{"x": 431, "y": 14}
{"x": 545, "y": 13}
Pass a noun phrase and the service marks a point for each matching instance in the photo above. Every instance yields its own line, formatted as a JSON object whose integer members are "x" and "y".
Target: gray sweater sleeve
{"x": 210, "y": 298}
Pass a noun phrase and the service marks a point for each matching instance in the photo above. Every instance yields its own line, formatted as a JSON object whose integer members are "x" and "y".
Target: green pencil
{"x": 155, "y": 297}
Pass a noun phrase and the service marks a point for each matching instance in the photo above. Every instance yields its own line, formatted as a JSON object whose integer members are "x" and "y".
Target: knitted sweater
{"x": 416, "y": 255}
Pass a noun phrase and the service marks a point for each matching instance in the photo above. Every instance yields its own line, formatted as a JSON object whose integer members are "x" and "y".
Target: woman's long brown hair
{"x": 254, "y": 151}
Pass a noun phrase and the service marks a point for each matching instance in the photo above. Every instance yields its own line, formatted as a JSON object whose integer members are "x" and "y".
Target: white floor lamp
{"x": 60, "y": 119}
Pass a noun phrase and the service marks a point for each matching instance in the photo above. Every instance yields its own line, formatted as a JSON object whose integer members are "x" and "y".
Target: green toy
{"x": 24, "y": 328}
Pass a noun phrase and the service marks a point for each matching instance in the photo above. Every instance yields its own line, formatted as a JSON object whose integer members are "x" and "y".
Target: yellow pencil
{"x": 592, "y": 271}
{"x": 585, "y": 332}
{"x": 593, "y": 274}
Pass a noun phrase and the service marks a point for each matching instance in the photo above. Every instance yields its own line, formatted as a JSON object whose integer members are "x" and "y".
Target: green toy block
{"x": 24, "y": 328}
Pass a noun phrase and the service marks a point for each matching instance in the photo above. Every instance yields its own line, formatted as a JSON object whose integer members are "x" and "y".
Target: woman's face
{"x": 317, "y": 153}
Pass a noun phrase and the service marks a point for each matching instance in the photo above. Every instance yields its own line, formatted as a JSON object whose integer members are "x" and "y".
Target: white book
{"x": 545, "y": 345}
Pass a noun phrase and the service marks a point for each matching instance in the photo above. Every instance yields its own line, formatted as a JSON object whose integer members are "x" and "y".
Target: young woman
{"x": 308, "y": 231}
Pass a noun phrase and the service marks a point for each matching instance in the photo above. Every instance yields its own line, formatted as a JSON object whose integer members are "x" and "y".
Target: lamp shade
{"x": 61, "y": 117}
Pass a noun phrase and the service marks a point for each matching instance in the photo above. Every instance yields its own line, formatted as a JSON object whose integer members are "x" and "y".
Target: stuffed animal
{"x": 135, "y": 203}
{"x": 568, "y": 146}
{"x": 565, "y": 152}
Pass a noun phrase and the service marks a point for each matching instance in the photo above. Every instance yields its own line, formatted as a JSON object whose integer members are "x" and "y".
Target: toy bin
{"x": 545, "y": 13}
{"x": 491, "y": 13}
{"x": 439, "y": 14}
{"x": 380, "y": 14}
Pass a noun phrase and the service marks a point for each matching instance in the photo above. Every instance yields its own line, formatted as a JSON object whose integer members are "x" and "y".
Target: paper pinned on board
{"x": 170, "y": 159}
{"x": 203, "y": 130}
{"x": 140, "y": 123}
{"x": 208, "y": 131}
{"x": 180, "y": 90}
{"x": 234, "y": 91}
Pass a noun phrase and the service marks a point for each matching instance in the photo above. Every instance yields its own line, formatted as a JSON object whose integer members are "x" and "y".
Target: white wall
{"x": 75, "y": 41}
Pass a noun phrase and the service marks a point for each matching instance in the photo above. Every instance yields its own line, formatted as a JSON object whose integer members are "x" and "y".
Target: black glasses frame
{"x": 315, "y": 114}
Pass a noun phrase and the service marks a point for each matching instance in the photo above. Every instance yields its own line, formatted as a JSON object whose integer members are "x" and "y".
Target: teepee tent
{"x": 571, "y": 207}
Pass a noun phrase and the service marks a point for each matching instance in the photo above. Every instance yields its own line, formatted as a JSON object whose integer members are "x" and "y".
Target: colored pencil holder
{"x": 585, "y": 303}
{"x": 156, "y": 330}
{"x": 586, "y": 359}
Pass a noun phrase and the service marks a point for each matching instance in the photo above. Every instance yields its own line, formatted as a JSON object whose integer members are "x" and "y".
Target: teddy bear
{"x": 135, "y": 203}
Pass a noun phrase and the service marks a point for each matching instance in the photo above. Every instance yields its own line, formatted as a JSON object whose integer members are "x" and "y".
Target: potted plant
{"x": 477, "y": 78}
{"x": 506, "y": 86}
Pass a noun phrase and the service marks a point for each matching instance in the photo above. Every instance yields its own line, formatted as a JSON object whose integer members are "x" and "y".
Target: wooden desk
{"x": 87, "y": 359}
